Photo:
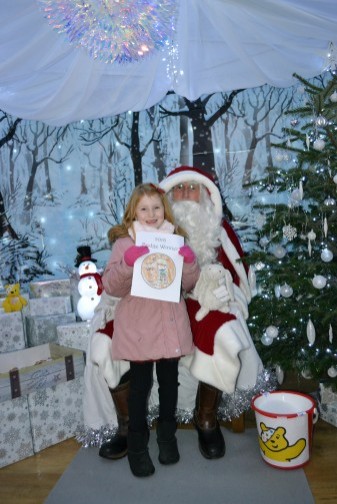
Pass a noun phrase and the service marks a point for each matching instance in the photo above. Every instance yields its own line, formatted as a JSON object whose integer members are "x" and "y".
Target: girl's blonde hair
{"x": 121, "y": 230}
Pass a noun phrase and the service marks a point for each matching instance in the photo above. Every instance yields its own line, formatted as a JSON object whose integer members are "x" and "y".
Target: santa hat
{"x": 189, "y": 174}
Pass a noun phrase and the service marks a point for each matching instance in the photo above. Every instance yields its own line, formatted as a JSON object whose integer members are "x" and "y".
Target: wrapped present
{"x": 26, "y": 371}
{"x": 50, "y": 288}
{"x": 43, "y": 329}
{"x": 58, "y": 305}
{"x": 328, "y": 404}
{"x": 11, "y": 332}
{"x": 56, "y": 413}
{"x": 74, "y": 335}
{"x": 16, "y": 442}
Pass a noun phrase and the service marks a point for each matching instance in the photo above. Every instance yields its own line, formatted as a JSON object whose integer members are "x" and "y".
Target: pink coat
{"x": 147, "y": 329}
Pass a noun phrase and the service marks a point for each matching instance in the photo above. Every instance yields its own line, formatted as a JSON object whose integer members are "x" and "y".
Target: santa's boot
{"x": 116, "y": 447}
{"x": 211, "y": 441}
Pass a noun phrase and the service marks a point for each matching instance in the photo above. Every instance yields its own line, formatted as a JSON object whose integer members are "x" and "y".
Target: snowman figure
{"x": 90, "y": 285}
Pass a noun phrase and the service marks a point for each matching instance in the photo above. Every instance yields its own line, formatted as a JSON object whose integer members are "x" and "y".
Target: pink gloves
{"x": 187, "y": 253}
{"x": 131, "y": 254}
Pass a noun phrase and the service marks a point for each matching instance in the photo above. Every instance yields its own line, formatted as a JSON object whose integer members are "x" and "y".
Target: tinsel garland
{"x": 231, "y": 406}
{"x": 122, "y": 31}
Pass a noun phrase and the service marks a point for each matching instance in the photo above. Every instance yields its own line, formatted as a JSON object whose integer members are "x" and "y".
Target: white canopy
{"x": 220, "y": 45}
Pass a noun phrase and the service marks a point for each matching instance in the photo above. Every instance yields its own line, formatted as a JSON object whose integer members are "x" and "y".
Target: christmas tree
{"x": 293, "y": 316}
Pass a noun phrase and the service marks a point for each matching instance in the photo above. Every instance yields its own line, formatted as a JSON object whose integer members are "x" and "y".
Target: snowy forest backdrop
{"x": 62, "y": 187}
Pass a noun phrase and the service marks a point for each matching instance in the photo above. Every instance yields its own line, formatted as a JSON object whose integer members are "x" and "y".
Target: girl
{"x": 147, "y": 330}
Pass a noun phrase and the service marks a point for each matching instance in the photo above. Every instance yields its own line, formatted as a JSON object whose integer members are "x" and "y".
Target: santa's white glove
{"x": 100, "y": 355}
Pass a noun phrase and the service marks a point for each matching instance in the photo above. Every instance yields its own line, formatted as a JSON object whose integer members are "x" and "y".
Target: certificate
{"x": 157, "y": 275}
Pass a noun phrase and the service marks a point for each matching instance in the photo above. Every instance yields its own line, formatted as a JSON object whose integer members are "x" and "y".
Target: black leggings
{"x": 141, "y": 379}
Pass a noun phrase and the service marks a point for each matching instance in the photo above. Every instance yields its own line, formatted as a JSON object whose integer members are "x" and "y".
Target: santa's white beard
{"x": 202, "y": 226}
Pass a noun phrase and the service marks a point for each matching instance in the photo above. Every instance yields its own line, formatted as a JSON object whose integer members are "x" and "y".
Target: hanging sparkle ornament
{"x": 330, "y": 334}
{"x": 311, "y": 237}
{"x": 329, "y": 201}
{"x": 325, "y": 227}
{"x": 307, "y": 141}
{"x": 289, "y": 232}
{"x": 300, "y": 188}
{"x": 319, "y": 282}
{"x": 319, "y": 144}
{"x": 252, "y": 280}
{"x": 277, "y": 291}
{"x": 311, "y": 333}
{"x": 326, "y": 255}
{"x": 333, "y": 97}
{"x": 295, "y": 197}
{"x": 123, "y": 31}
{"x": 321, "y": 121}
{"x": 279, "y": 374}
{"x": 286, "y": 291}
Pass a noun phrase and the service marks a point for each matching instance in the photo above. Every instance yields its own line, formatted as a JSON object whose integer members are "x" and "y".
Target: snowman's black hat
{"x": 83, "y": 254}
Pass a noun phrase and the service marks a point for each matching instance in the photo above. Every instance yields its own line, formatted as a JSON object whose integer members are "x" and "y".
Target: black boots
{"x": 116, "y": 448}
{"x": 167, "y": 442}
{"x": 211, "y": 441}
{"x": 138, "y": 454}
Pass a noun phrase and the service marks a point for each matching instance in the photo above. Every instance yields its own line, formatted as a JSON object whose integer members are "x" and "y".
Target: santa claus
{"x": 225, "y": 360}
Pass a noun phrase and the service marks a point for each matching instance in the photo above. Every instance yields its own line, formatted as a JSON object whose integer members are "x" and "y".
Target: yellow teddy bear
{"x": 13, "y": 301}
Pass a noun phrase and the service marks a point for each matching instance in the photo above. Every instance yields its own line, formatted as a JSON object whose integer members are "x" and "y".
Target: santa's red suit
{"x": 225, "y": 356}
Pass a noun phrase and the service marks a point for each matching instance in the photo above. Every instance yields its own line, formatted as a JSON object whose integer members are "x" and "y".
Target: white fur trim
{"x": 190, "y": 175}
{"x": 235, "y": 362}
{"x": 111, "y": 370}
{"x": 233, "y": 255}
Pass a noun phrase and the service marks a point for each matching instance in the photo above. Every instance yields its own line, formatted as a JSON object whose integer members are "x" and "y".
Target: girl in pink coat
{"x": 148, "y": 331}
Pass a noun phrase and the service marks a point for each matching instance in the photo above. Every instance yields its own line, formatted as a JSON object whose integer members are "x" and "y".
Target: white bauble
{"x": 333, "y": 97}
{"x": 319, "y": 282}
{"x": 86, "y": 306}
{"x": 272, "y": 332}
{"x": 279, "y": 251}
{"x": 326, "y": 255}
{"x": 306, "y": 374}
{"x": 265, "y": 340}
{"x": 319, "y": 144}
{"x": 286, "y": 291}
{"x": 312, "y": 235}
{"x": 332, "y": 372}
{"x": 335, "y": 179}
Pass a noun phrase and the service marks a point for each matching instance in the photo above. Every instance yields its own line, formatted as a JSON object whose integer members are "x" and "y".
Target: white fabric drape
{"x": 222, "y": 45}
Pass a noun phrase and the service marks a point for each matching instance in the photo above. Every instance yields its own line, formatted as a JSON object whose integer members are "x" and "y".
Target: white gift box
{"x": 328, "y": 404}
{"x": 43, "y": 329}
{"x": 26, "y": 371}
{"x": 56, "y": 413}
{"x": 57, "y": 305}
{"x": 50, "y": 288}
{"x": 11, "y": 332}
{"x": 74, "y": 335}
{"x": 40, "y": 399}
{"x": 16, "y": 441}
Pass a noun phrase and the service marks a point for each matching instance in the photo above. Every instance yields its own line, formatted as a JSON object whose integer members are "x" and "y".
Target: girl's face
{"x": 150, "y": 211}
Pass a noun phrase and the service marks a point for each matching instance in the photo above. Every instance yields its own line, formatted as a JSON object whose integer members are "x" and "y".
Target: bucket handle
{"x": 315, "y": 416}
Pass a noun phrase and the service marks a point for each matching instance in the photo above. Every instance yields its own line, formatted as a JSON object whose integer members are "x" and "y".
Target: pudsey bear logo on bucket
{"x": 285, "y": 424}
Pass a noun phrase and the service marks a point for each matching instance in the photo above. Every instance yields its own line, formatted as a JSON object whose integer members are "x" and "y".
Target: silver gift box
{"x": 43, "y": 329}
{"x": 74, "y": 335}
{"x": 16, "y": 442}
{"x": 56, "y": 413}
{"x": 50, "y": 288}
{"x": 12, "y": 335}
